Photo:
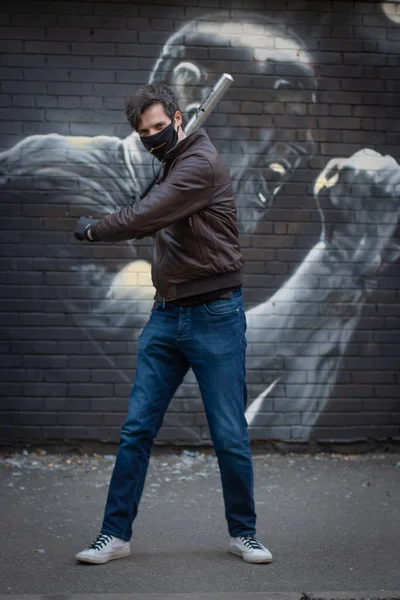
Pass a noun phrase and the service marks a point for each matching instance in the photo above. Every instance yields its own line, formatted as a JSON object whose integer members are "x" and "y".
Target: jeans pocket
{"x": 222, "y": 307}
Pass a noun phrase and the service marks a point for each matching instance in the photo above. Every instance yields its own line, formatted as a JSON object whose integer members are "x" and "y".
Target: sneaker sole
{"x": 102, "y": 561}
{"x": 249, "y": 559}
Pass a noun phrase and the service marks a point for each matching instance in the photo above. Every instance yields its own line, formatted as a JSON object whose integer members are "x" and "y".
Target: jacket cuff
{"x": 92, "y": 227}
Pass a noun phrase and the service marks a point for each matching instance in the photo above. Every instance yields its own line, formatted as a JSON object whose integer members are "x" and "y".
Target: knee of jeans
{"x": 134, "y": 429}
{"x": 230, "y": 444}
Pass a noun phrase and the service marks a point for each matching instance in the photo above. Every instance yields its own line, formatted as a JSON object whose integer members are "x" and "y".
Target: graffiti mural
{"x": 335, "y": 216}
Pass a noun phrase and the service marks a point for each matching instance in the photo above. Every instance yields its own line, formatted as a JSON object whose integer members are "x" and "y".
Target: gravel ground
{"x": 332, "y": 522}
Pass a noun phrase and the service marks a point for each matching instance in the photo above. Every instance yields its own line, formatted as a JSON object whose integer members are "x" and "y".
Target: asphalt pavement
{"x": 332, "y": 522}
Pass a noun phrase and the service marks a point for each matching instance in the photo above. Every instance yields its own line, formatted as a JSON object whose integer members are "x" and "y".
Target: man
{"x": 197, "y": 321}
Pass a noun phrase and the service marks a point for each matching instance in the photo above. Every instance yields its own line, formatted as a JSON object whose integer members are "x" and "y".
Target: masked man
{"x": 197, "y": 321}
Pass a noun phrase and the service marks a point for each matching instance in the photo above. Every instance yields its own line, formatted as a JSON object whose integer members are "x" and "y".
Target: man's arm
{"x": 186, "y": 190}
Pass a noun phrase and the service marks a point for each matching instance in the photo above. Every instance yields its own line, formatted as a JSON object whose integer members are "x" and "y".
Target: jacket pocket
{"x": 196, "y": 236}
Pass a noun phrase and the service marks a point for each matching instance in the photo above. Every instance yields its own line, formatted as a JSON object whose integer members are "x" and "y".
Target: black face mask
{"x": 160, "y": 143}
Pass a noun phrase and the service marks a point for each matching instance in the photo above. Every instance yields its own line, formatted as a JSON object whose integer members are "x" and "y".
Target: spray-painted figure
{"x": 297, "y": 334}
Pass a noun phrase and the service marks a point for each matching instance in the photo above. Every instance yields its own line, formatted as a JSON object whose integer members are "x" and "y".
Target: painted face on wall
{"x": 262, "y": 127}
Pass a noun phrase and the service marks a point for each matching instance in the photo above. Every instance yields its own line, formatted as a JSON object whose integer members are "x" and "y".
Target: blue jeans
{"x": 209, "y": 338}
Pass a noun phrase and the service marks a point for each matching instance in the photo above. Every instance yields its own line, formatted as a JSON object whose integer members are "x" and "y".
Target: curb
{"x": 145, "y": 596}
{"x": 346, "y": 595}
{"x": 375, "y": 595}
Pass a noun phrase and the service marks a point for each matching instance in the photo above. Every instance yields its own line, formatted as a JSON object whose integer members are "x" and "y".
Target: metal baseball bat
{"x": 201, "y": 114}
{"x": 208, "y": 105}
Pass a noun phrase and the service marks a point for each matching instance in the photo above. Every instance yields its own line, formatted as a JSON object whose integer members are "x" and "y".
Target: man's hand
{"x": 360, "y": 206}
{"x": 85, "y": 229}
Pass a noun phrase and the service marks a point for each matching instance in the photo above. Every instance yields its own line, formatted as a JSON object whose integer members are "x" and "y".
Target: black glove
{"x": 82, "y": 227}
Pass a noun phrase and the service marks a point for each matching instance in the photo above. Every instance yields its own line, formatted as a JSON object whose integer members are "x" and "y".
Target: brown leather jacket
{"x": 193, "y": 216}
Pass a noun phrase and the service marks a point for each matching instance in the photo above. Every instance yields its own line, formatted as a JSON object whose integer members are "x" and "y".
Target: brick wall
{"x": 315, "y": 95}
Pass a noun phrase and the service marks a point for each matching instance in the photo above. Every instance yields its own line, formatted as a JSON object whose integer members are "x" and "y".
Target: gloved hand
{"x": 83, "y": 226}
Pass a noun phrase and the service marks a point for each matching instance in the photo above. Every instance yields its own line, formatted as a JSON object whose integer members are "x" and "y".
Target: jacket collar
{"x": 183, "y": 146}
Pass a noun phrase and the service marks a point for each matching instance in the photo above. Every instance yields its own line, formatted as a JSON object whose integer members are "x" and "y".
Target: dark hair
{"x": 146, "y": 96}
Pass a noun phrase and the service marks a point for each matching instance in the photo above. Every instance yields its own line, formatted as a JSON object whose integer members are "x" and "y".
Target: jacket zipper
{"x": 164, "y": 300}
{"x": 158, "y": 269}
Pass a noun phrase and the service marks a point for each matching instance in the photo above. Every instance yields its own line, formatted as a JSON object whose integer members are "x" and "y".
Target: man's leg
{"x": 215, "y": 349}
{"x": 160, "y": 370}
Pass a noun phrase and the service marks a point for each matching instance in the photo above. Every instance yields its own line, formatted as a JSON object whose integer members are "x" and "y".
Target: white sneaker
{"x": 104, "y": 548}
{"x": 250, "y": 549}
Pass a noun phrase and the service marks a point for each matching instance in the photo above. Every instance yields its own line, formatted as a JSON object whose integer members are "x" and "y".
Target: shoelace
{"x": 100, "y": 541}
{"x": 251, "y": 542}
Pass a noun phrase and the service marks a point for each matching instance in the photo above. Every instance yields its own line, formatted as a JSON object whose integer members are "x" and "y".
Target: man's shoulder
{"x": 197, "y": 142}
{"x": 198, "y": 152}
{"x": 201, "y": 139}
{"x": 200, "y": 146}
